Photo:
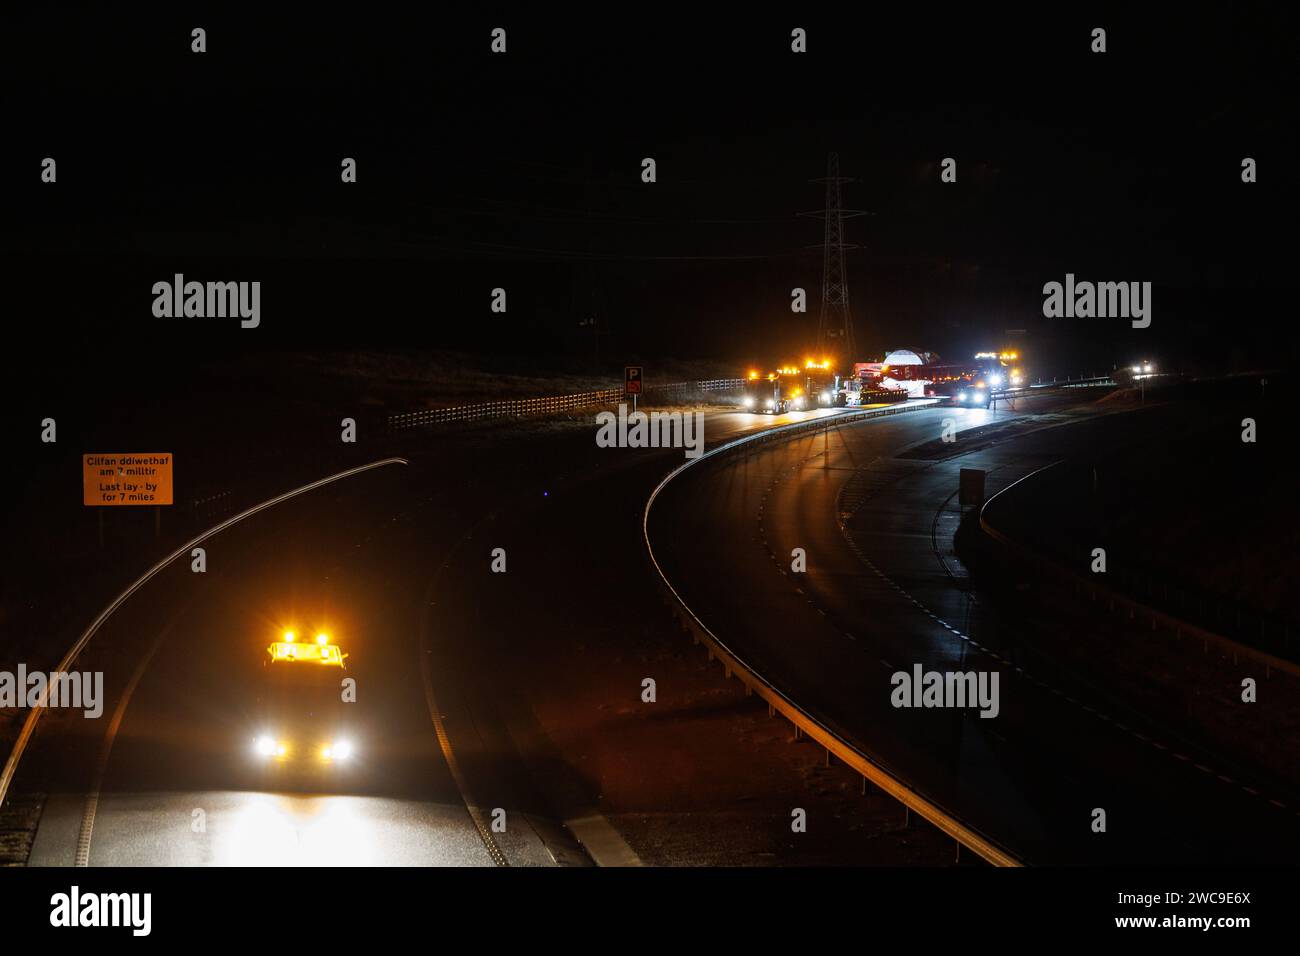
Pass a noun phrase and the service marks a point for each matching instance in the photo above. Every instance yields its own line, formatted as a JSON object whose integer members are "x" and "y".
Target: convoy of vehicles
{"x": 302, "y": 706}
{"x": 791, "y": 388}
{"x": 914, "y": 374}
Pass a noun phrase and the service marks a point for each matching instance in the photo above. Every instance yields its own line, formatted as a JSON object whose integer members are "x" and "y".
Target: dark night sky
{"x": 523, "y": 171}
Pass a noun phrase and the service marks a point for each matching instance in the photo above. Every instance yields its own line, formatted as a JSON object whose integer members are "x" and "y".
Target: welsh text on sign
{"x": 124, "y": 479}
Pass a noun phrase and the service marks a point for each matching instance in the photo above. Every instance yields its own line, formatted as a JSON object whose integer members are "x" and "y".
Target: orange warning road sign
{"x": 125, "y": 479}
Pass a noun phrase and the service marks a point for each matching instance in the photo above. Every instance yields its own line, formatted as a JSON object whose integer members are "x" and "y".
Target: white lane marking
{"x": 603, "y": 843}
{"x": 606, "y": 847}
{"x": 477, "y": 815}
{"x": 92, "y": 798}
{"x": 1106, "y": 718}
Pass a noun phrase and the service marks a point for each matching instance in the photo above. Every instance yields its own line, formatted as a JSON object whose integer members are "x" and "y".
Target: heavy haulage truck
{"x": 824, "y": 387}
{"x": 817, "y": 384}
{"x": 776, "y": 393}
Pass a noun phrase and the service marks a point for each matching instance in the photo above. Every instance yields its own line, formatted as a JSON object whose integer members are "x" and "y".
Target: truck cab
{"x": 823, "y": 385}
{"x": 779, "y": 392}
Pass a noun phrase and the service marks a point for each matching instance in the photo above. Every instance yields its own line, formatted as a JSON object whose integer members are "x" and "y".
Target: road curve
{"x": 165, "y": 777}
{"x": 884, "y": 597}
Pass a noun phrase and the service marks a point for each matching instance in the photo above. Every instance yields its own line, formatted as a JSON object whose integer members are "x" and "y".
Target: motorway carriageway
{"x": 885, "y": 592}
{"x": 178, "y": 786}
{"x": 166, "y": 777}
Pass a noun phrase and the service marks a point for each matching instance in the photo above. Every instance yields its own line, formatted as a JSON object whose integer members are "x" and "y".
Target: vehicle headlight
{"x": 771, "y": 404}
{"x": 826, "y": 396}
{"x": 979, "y": 397}
{"x": 961, "y": 396}
{"x": 749, "y": 401}
{"x": 264, "y": 746}
{"x": 995, "y": 380}
{"x": 342, "y": 749}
